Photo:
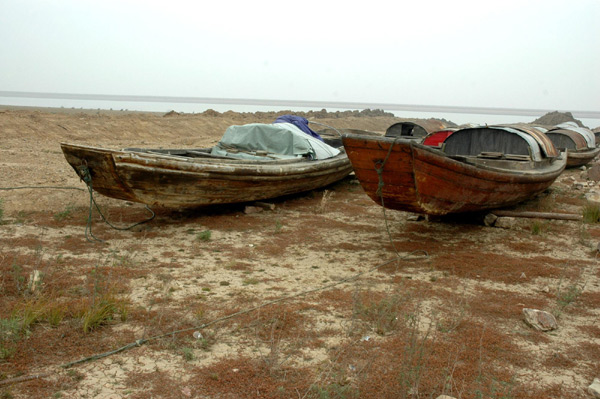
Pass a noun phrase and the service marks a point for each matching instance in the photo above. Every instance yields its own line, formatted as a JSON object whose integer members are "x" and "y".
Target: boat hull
{"x": 580, "y": 158}
{"x": 404, "y": 175}
{"x": 177, "y": 182}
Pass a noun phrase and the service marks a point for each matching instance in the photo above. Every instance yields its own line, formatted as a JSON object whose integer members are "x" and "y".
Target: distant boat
{"x": 480, "y": 168}
{"x": 579, "y": 142}
{"x": 414, "y": 130}
{"x": 224, "y": 174}
{"x": 597, "y": 134}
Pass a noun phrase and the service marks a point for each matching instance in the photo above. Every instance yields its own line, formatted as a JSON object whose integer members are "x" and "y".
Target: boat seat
{"x": 508, "y": 157}
{"x": 517, "y": 157}
{"x": 490, "y": 155}
{"x": 201, "y": 154}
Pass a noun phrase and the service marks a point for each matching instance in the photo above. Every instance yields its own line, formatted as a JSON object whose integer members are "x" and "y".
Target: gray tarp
{"x": 278, "y": 140}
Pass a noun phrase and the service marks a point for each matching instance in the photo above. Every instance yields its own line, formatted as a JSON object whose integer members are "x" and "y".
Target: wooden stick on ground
{"x": 537, "y": 215}
{"x": 23, "y": 378}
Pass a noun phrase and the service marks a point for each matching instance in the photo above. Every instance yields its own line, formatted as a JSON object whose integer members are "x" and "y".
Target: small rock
{"x": 594, "y": 173}
{"x": 593, "y": 196}
{"x": 414, "y": 218}
{"x": 248, "y": 210}
{"x": 578, "y": 186}
{"x": 523, "y": 275}
{"x": 445, "y": 397}
{"x": 265, "y": 205}
{"x": 539, "y": 319}
{"x": 594, "y": 389}
{"x": 490, "y": 219}
{"x": 505, "y": 222}
{"x": 546, "y": 289}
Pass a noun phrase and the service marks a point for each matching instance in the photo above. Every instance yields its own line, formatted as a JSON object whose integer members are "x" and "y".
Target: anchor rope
{"x": 84, "y": 174}
{"x": 380, "y": 184}
{"x": 44, "y": 187}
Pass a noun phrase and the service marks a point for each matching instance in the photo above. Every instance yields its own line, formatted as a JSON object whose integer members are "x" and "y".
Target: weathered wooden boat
{"x": 596, "y": 132}
{"x": 186, "y": 178}
{"x": 579, "y": 142}
{"x": 477, "y": 169}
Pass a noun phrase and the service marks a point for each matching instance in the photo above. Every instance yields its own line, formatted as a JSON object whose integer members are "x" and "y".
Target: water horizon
{"x": 162, "y": 104}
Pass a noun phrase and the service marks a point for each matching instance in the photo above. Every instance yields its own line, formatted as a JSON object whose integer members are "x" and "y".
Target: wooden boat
{"x": 186, "y": 178}
{"x": 596, "y": 132}
{"x": 579, "y": 142}
{"x": 414, "y": 130}
{"x": 477, "y": 169}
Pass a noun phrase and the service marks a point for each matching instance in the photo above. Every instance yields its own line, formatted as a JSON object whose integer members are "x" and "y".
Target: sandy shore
{"x": 323, "y": 295}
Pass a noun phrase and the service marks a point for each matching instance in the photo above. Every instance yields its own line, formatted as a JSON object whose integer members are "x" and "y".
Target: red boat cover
{"x": 437, "y": 138}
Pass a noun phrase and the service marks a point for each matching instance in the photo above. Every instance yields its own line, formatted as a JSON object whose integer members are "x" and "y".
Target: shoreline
{"x": 452, "y": 119}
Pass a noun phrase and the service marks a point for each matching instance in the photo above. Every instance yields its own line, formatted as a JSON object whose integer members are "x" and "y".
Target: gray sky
{"x": 515, "y": 54}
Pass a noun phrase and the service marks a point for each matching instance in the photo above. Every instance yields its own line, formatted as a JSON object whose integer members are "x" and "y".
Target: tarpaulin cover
{"x": 299, "y": 122}
{"x": 278, "y": 140}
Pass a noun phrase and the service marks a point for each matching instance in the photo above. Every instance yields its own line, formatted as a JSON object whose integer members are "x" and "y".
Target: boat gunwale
{"x": 583, "y": 154}
{"x": 220, "y": 166}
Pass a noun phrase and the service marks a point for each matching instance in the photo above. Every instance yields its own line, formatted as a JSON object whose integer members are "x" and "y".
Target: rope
{"x": 380, "y": 184}
{"x": 330, "y": 127}
{"x": 142, "y": 341}
{"x": 84, "y": 174}
{"x": 44, "y": 187}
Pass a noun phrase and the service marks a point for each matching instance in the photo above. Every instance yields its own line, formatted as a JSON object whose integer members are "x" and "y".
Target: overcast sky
{"x": 516, "y": 54}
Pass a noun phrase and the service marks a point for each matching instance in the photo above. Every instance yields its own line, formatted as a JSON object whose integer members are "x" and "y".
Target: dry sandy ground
{"x": 324, "y": 296}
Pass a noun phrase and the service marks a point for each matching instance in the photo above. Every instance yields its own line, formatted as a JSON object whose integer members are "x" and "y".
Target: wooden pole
{"x": 23, "y": 378}
{"x": 537, "y": 215}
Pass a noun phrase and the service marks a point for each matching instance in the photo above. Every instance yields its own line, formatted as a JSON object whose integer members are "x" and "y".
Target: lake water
{"x": 155, "y": 105}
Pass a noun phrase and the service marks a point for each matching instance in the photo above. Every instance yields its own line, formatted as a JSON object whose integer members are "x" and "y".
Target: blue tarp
{"x": 300, "y": 122}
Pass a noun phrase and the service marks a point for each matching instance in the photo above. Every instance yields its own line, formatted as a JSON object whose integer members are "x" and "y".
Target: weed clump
{"x": 9, "y": 336}
{"x": 204, "y": 235}
{"x": 591, "y": 213}
{"x": 103, "y": 312}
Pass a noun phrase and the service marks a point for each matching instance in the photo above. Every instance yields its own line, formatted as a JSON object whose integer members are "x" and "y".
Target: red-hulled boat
{"x": 479, "y": 168}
